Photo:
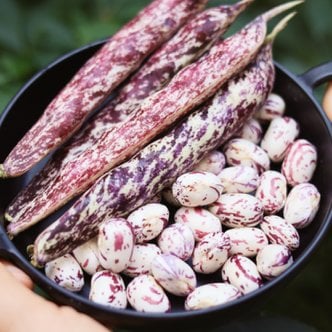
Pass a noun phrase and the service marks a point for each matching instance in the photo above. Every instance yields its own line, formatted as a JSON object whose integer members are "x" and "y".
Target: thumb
{"x": 327, "y": 101}
{"x": 18, "y": 274}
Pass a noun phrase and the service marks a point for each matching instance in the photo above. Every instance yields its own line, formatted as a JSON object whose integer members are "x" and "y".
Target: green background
{"x": 35, "y": 32}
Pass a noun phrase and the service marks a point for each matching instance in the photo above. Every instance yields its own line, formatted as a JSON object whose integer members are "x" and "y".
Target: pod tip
{"x": 280, "y": 9}
{"x": 8, "y": 217}
{"x": 3, "y": 173}
{"x": 30, "y": 251}
{"x": 279, "y": 27}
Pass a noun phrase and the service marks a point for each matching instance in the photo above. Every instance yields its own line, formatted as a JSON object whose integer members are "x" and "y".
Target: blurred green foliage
{"x": 35, "y": 32}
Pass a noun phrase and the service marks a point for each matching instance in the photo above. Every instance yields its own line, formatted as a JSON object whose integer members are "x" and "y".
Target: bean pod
{"x": 238, "y": 210}
{"x": 300, "y": 162}
{"x": 108, "y": 288}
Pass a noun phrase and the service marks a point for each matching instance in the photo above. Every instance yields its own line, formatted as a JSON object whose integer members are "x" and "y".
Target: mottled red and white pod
{"x": 273, "y": 259}
{"x": 239, "y": 179}
{"x": 241, "y": 272}
{"x": 251, "y": 131}
{"x": 87, "y": 256}
{"x": 148, "y": 221}
{"x": 173, "y": 274}
{"x": 108, "y": 288}
{"x": 177, "y": 239}
{"x": 213, "y": 162}
{"x": 274, "y": 107}
{"x": 279, "y": 136}
{"x": 66, "y": 272}
{"x": 301, "y": 205}
{"x": 239, "y": 151}
{"x": 197, "y": 189}
{"x": 246, "y": 241}
{"x": 200, "y": 220}
{"x": 141, "y": 258}
{"x": 238, "y": 210}
{"x": 210, "y": 295}
{"x": 272, "y": 191}
{"x": 300, "y": 162}
{"x": 146, "y": 295}
{"x": 279, "y": 231}
{"x": 115, "y": 244}
{"x": 211, "y": 253}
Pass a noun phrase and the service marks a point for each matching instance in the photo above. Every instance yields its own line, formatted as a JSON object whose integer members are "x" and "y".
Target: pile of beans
{"x": 238, "y": 215}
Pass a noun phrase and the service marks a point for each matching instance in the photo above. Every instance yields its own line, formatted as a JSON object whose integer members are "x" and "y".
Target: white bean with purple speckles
{"x": 200, "y": 220}
{"x": 173, "y": 274}
{"x": 246, "y": 241}
{"x": 273, "y": 107}
{"x": 146, "y": 295}
{"x": 239, "y": 179}
{"x": 148, "y": 221}
{"x": 239, "y": 151}
{"x": 251, "y": 131}
{"x": 210, "y": 295}
{"x": 141, "y": 258}
{"x": 301, "y": 205}
{"x": 66, "y": 272}
{"x": 280, "y": 134}
{"x": 87, "y": 256}
{"x": 238, "y": 210}
{"x": 177, "y": 239}
{"x": 197, "y": 189}
{"x": 272, "y": 191}
{"x": 108, "y": 288}
{"x": 273, "y": 259}
{"x": 115, "y": 244}
{"x": 211, "y": 253}
{"x": 300, "y": 162}
{"x": 279, "y": 231}
{"x": 241, "y": 272}
{"x": 213, "y": 162}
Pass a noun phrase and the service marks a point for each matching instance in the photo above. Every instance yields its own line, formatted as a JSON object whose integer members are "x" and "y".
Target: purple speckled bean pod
{"x": 126, "y": 187}
{"x": 241, "y": 272}
{"x": 300, "y": 162}
{"x": 101, "y": 74}
{"x": 173, "y": 274}
{"x": 108, "y": 288}
{"x": 45, "y": 192}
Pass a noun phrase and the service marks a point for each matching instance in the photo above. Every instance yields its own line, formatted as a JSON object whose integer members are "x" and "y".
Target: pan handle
{"x": 317, "y": 75}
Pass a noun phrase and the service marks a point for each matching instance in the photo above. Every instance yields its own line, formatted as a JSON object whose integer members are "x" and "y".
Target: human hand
{"x": 327, "y": 101}
{"x": 23, "y": 310}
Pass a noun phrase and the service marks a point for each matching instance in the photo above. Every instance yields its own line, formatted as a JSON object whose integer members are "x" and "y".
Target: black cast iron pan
{"x": 32, "y": 99}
